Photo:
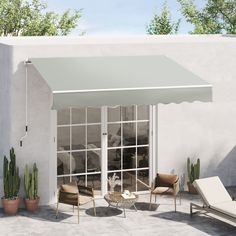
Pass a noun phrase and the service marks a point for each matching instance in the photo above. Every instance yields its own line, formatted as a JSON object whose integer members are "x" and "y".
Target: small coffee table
{"x": 115, "y": 199}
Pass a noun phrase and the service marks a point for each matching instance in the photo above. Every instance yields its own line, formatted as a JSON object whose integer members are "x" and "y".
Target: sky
{"x": 118, "y": 17}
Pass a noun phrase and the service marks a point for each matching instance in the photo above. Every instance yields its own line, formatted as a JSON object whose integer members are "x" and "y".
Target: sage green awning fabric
{"x": 120, "y": 80}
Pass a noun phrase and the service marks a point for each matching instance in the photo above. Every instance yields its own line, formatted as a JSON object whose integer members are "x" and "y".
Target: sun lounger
{"x": 216, "y": 199}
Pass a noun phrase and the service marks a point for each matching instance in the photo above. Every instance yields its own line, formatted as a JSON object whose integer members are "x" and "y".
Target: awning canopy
{"x": 120, "y": 80}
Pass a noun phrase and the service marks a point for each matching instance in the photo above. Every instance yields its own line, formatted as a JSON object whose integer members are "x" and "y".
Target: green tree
{"x": 217, "y": 16}
{"x": 162, "y": 24}
{"x": 30, "y": 18}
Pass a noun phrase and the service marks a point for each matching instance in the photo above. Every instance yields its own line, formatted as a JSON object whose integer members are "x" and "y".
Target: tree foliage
{"x": 162, "y": 24}
{"x": 217, "y": 16}
{"x": 30, "y": 18}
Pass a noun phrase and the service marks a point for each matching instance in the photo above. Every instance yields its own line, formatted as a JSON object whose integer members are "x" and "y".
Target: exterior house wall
{"x": 5, "y": 124}
{"x": 204, "y": 130}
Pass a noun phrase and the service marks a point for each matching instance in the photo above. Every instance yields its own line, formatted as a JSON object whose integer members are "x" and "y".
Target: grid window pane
{"x": 143, "y": 112}
{"x": 93, "y": 161}
{"x": 78, "y": 137}
{"x": 80, "y": 179}
{"x": 114, "y": 114}
{"x": 128, "y": 113}
{"x": 129, "y": 158}
{"x": 63, "y": 138}
{"x": 93, "y": 115}
{"x": 114, "y": 135}
{"x": 143, "y": 157}
{"x": 63, "y": 163}
{"x": 143, "y": 133}
{"x": 94, "y": 181}
{"x": 78, "y": 116}
{"x": 63, "y": 117}
{"x": 78, "y": 162}
{"x": 143, "y": 175}
{"x": 129, "y": 134}
{"x": 114, "y": 159}
{"x": 129, "y": 181}
{"x": 94, "y": 136}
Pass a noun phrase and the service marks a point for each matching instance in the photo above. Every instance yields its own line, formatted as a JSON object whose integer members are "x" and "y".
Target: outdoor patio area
{"x": 160, "y": 220}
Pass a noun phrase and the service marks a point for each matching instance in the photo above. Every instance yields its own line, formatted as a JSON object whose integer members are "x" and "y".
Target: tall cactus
{"x": 11, "y": 179}
{"x": 193, "y": 170}
{"x": 31, "y": 182}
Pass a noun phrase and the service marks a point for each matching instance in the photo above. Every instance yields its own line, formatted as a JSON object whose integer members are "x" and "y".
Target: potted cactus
{"x": 31, "y": 188}
{"x": 193, "y": 173}
{"x": 11, "y": 182}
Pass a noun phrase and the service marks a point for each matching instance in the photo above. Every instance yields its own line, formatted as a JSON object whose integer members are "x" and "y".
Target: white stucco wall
{"x": 5, "y": 124}
{"x": 207, "y": 131}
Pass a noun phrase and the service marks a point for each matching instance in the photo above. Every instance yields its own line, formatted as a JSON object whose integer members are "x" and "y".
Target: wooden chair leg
{"x": 78, "y": 208}
{"x": 57, "y": 209}
{"x": 94, "y": 208}
{"x": 175, "y": 202}
{"x": 150, "y": 201}
{"x": 78, "y": 213}
{"x": 155, "y": 198}
{"x": 73, "y": 208}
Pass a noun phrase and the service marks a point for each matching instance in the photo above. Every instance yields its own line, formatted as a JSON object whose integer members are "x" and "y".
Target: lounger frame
{"x": 208, "y": 209}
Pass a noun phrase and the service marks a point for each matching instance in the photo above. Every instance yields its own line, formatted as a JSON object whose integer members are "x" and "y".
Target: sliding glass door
{"x": 95, "y": 143}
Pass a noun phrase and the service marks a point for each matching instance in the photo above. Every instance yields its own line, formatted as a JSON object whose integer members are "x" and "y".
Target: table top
{"x": 117, "y": 197}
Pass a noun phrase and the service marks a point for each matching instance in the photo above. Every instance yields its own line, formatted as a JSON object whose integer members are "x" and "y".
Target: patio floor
{"x": 160, "y": 220}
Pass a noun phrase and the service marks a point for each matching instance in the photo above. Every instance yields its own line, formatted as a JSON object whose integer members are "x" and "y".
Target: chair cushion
{"x": 163, "y": 190}
{"x": 165, "y": 180}
{"x": 228, "y": 208}
{"x": 69, "y": 188}
{"x": 68, "y": 198}
{"x": 212, "y": 190}
{"x": 84, "y": 199}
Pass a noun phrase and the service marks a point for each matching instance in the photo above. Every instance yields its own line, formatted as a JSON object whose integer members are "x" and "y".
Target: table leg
{"x": 124, "y": 212}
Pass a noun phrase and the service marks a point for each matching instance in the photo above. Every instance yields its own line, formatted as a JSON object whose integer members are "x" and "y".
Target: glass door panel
{"x": 128, "y": 145}
{"x": 79, "y": 146}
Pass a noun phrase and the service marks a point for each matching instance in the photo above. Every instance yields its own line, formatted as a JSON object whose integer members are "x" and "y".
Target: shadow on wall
{"x": 225, "y": 169}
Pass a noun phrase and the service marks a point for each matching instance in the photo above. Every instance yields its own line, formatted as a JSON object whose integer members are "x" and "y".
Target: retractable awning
{"x": 120, "y": 80}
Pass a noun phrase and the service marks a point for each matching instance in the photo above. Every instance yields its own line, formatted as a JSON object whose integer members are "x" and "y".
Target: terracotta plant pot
{"x": 11, "y": 206}
{"x": 31, "y": 204}
{"x": 191, "y": 188}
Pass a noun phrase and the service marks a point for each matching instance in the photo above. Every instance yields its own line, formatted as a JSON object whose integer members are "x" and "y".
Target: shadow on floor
{"x": 104, "y": 211}
{"x": 204, "y": 223}
{"x": 144, "y": 206}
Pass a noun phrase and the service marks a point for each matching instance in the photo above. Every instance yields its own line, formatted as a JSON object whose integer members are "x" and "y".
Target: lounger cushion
{"x": 228, "y": 208}
{"x": 212, "y": 190}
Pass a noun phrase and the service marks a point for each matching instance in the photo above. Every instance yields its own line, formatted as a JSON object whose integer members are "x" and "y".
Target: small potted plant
{"x": 193, "y": 173}
{"x": 113, "y": 181}
{"x": 11, "y": 182}
{"x": 31, "y": 188}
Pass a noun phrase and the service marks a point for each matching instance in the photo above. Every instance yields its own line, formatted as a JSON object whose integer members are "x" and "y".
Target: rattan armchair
{"x": 75, "y": 195}
{"x": 163, "y": 184}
